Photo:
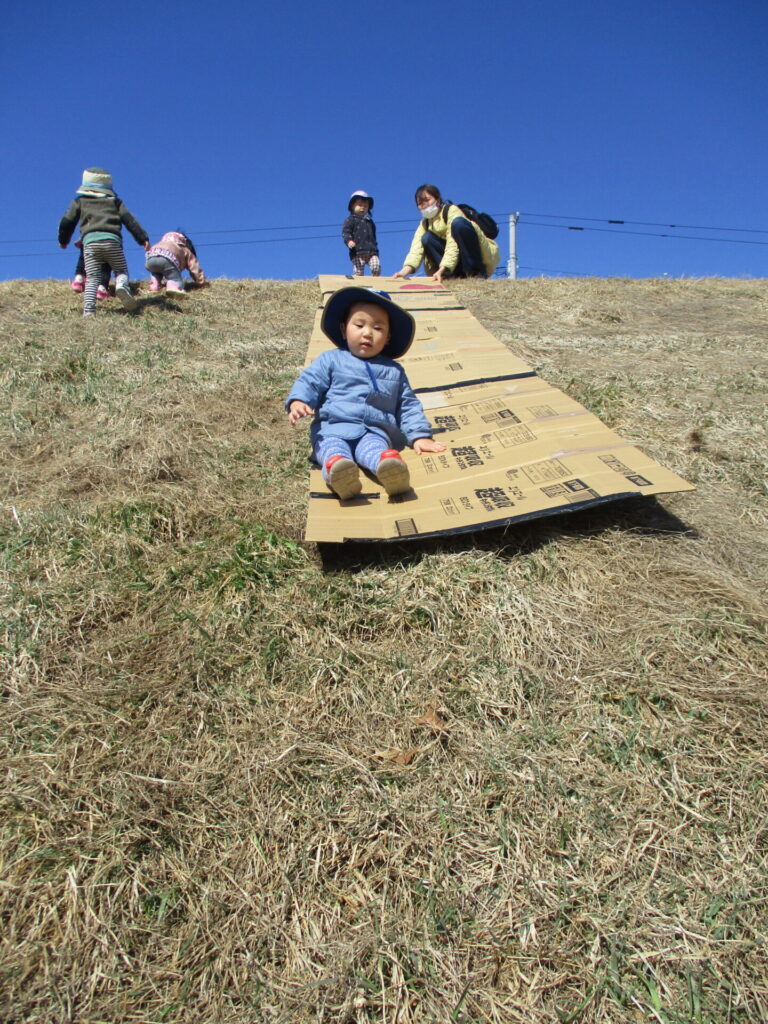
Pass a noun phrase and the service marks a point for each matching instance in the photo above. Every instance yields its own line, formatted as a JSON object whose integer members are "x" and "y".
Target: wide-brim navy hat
{"x": 401, "y": 324}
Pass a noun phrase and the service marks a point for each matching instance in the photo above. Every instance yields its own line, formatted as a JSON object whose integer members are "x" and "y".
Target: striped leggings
{"x": 359, "y": 262}
{"x": 102, "y": 251}
{"x": 365, "y": 451}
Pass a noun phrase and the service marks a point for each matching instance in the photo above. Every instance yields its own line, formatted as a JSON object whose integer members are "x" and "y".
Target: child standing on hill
{"x": 167, "y": 259}
{"x": 359, "y": 234}
{"x": 363, "y": 406}
{"x": 101, "y": 214}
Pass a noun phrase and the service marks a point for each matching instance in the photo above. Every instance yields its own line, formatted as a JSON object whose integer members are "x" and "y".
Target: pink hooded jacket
{"x": 172, "y": 246}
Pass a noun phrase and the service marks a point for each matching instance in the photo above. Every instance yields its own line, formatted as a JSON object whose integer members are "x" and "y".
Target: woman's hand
{"x": 297, "y": 411}
{"x": 406, "y": 271}
{"x": 426, "y": 444}
{"x": 438, "y": 275}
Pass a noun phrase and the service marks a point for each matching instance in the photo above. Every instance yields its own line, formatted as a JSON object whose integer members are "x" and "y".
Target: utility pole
{"x": 512, "y": 261}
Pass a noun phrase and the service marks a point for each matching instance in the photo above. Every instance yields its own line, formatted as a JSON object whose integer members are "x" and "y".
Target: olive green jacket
{"x": 99, "y": 213}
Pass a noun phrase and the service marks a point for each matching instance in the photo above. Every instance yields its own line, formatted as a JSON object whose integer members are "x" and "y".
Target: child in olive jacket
{"x": 101, "y": 215}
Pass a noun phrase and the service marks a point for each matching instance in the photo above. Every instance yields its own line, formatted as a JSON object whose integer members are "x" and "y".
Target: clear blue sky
{"x": 243, "y": 115}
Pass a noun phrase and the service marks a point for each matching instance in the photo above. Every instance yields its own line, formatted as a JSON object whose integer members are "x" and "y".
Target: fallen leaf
{"x": 433, "y": 720}
{"x": 401, "y": 757}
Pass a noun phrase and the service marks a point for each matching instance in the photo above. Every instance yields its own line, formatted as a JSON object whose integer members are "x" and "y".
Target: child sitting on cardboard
{"x": 363, "y": 406}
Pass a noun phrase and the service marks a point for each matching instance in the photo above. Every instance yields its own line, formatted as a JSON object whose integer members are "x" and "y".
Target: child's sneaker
{"x": 155, "y": 285}
{"x": 124, "y": 293}
{"x": 393, "y": 473}
{"x": 78, "y": 285}
{"x": 101, "y": 292}
{"x": 176, "y": 287}
{"x": 343, "y": 477}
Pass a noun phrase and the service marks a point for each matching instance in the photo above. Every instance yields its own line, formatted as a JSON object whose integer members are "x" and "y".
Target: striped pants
{"x": 359, "y": 262}
{"x": 365, "y": 451}
{"x": 102, "y": 251}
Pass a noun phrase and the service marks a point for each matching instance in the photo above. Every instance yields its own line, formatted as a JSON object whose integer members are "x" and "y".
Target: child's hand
{"x": 298, "y": 410}
{"x": 351, "y": 244}
{"x": 426, "y": 444}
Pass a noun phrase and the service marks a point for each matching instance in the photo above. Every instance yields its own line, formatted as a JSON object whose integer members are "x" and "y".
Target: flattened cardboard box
{"x": 516, "y": 447}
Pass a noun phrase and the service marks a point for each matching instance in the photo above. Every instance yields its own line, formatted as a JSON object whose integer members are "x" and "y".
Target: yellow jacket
{"x": 441, "y": 227}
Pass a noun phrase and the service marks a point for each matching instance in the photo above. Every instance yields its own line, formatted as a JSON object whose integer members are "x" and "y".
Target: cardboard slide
{"x": 516, "y": 447}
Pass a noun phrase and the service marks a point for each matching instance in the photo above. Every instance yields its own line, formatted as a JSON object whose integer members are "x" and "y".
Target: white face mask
{"x": 430, "y": 211}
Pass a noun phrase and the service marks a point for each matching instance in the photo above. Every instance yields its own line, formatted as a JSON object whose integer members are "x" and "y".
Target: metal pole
{"x": 512, "y": 261}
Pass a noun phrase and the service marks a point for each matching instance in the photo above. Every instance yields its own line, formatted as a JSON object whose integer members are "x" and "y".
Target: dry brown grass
{"x": 513, "y": 777}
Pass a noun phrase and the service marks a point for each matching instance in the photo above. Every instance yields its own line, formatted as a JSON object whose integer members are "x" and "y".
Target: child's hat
{"x": 401, "y": 323}
{"x": 95, "y": 180}
{"x": 360, "y": 195}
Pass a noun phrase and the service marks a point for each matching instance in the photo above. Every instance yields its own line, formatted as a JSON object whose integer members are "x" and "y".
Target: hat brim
{"x": 401, "y": 324}
{"x": 353, "y": 200}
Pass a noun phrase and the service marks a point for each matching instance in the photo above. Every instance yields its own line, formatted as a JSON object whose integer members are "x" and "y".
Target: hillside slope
{"x": 514, "y": 776}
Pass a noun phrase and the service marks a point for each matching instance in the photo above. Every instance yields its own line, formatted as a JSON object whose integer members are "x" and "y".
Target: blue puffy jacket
{"x": 351, "y": 396}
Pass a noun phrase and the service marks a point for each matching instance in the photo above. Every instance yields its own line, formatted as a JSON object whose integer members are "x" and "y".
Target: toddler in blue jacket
{"x": 364, "y": 409}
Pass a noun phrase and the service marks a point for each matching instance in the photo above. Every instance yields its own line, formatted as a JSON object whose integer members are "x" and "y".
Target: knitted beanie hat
{"x": 96, "y": 180}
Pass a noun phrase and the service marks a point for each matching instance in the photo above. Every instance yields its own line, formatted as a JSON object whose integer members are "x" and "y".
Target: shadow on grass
{"x": 173, "y": 302}
{"x": 637, "y": 515}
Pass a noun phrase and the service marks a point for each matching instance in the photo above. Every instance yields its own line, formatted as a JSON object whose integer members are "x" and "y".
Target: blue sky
{"x": 224, "y": 119}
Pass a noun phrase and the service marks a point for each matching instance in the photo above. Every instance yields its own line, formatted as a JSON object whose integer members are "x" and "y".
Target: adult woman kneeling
{"x": 448, "y": 243}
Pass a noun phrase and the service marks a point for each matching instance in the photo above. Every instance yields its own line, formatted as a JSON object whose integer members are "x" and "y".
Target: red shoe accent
{"x": 343, "y": 477}
{"x": 392, "y": 473}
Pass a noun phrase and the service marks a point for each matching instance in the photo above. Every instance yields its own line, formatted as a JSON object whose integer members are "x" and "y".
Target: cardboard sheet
{"x": 516, "y": 447}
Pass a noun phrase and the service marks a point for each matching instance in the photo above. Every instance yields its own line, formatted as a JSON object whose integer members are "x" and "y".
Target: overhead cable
{"x": 644, "y": 234}
{"x": 640, "y": 223}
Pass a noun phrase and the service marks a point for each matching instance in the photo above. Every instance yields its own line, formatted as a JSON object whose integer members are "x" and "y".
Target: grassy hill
{"x": 518, "y": 776}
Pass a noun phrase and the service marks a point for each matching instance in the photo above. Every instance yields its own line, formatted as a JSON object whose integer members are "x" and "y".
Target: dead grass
{"x": 513, "y": 777}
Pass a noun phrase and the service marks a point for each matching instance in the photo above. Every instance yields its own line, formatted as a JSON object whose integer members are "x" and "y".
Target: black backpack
{"x": 484, "y": 221}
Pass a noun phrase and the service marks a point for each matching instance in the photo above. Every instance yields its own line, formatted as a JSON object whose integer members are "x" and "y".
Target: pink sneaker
{"x": 175, "y": 286}
{"x": 78, "y": 285}
{"x": 155, "y": 285}
{"x": 101, "y": 292}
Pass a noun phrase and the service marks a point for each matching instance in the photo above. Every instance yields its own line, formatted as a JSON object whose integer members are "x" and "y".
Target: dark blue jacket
{"x": 362, "y": 231}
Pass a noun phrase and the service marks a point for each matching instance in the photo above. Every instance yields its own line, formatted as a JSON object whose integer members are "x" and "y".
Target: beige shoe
{"x": 393, "y": 473}
{"x": 343, "y": 477}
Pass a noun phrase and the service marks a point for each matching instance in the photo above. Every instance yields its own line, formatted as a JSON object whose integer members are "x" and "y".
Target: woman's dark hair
{"x": 187, "y": 242}
{"x": 431, "y": 190}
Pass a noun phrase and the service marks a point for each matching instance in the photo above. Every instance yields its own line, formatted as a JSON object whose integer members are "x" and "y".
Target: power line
{"x": 205, "y": 245}
{"x": 226, "y": 231}
{"x": 409, "y": 220}
{"x": 641, "y": 223}
{"x": 644, "y": 234}
{"x": 394, "y": 231}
